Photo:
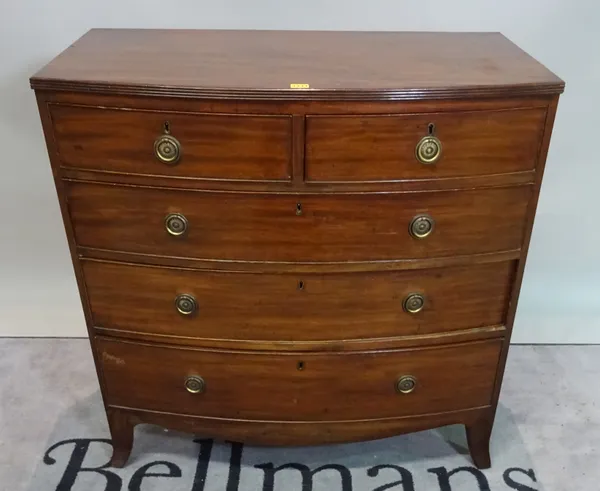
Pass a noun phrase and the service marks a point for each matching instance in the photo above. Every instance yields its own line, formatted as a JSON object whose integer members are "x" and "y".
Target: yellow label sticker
{"x": 299, "y": 86}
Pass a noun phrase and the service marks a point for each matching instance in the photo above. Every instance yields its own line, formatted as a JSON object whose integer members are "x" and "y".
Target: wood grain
{"x": 430, "y": 184}
{"x": 255, "y": 386}
{"x": 287, "y": 307}
{"x": 382, "y": 148}
{"x": 294, "y": 107}
{"x": 294, "y": 433}
{"x": 335, "y": 227}
{"x": 214, "y": 146}
{"x": 332, "y": 345}
{"x": 262, "y": 64}
{"x": 299, "y": 268}
{"x": 531, "y": 213}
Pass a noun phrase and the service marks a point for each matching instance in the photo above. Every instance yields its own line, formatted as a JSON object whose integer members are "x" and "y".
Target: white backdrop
{"x": 559, "y": 301}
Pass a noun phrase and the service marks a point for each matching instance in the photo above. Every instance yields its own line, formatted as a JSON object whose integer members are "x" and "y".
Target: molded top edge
{"x": 296, "y": 65}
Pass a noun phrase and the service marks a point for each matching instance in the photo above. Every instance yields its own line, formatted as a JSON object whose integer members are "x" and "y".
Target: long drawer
{"x": 386, "y": 147}
{"x": 289, "y": 307}
{"x": 298, "y": 386}
{"x": 297, "y": 227}
{"x": 210, "y": 146}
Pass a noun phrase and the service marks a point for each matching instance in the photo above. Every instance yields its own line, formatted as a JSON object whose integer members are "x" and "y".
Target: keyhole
{"x": 298, "y": 208}
{"x": 167, "y": 127}
{"x": 300, "y": 365}
{"x": 301, "y": 285}
{"x": 431, "y": 128}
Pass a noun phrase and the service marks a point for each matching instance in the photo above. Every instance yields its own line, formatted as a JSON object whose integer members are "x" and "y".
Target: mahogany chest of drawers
{"x": 298, "y": 237}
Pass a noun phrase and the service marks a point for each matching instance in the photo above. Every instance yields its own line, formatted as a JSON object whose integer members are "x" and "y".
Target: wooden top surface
{"x": 342, "y": 65}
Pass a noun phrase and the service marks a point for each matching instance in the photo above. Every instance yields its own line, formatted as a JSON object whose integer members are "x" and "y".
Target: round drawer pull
{"x": 429, "y": 149}
{"x": 195, "y": 384}
{"x": 413, "y": 303}
{"x": 421, "y": 226}
{"x": 167, "y": 149}
{"x": 406, "y": 384}
{"x": 176, "y": 224}
{"x": 186, "y": 304}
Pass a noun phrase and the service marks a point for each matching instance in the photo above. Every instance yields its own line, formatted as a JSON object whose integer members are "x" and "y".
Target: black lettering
{"x": 202, "y": 464}
{"x": 235, "y": 467}
{"x": 138, "y": 476}
{"x": 516, "y": 485}
{"x": 406, "y": 481}
{"x": 307, "y": 475}
{"x": 75, "y": 464}
{"x": 444, "y": 477}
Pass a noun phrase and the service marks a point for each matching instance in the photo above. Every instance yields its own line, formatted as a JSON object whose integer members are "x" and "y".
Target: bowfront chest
{"x": 295, "y": 238}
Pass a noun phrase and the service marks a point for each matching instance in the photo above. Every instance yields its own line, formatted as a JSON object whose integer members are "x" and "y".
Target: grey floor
{"x": 553, "y": 393}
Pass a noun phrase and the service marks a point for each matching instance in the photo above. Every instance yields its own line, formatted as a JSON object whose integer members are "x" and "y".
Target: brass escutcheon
{"x": 195, "y": 384}
{"x": 186, "y": 304}
{"x": 176, "y": 224}
{"x": 406, "y": 384}
{"x": 429, "y": 148}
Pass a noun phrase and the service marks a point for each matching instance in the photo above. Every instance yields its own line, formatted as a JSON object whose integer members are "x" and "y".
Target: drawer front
{"x": 374, "y": 148}
{"x": 212, "y": 146}
{"x": 298, "y": 386}
{"x": 287, "y": 227}
{"x": 288, "y": 307}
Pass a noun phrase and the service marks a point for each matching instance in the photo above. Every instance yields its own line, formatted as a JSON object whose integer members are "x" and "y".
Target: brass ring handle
{"x": 413, "y": 303}
{"x": 421, "y": 226}
{"x": 167, "y": 149}
{"x": 428, "y": 150}
{"x": 406, "y": 384}
{"x": 195, "y": 384}
{"x": 186, "y": 304}
{"x": 176, "y": 224}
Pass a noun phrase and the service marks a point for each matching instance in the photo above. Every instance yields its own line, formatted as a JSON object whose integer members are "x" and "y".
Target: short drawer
{"x": 298, "y": 386}
{"x": 296, "y": 228}
{"x": 384, "y": 148}
{"x": 211, "y": 146}
{"x": 291, "y": 307}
